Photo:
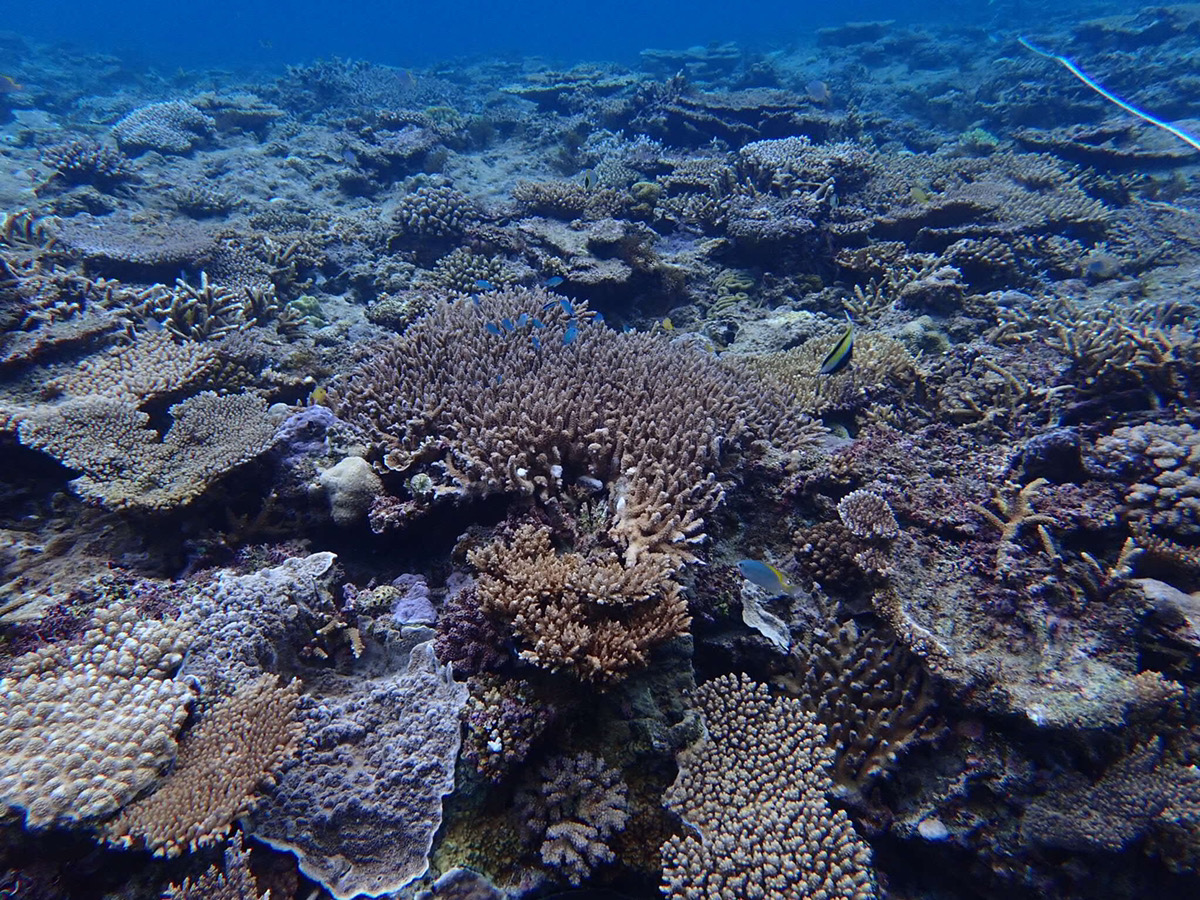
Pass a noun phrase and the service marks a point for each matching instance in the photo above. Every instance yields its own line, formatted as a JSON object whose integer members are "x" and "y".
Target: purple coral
{"x": 468, "y": 638}
{"x": 578, "y": 805}
{"x": 304, "y": 433}
{"x": 412, "y": 606}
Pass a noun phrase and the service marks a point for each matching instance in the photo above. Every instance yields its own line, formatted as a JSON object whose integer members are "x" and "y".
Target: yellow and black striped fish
{"x": 839, "y": 357}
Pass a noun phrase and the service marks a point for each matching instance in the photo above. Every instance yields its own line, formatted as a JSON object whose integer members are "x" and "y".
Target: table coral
{"x": 126, "y": 464}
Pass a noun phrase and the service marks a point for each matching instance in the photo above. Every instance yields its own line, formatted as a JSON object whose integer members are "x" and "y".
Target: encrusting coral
{"x": 751, "y": 795}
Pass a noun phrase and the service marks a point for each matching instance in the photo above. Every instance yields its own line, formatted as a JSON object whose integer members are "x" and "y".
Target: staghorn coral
{"x": 238, "y": 746}
{"x": 1165, "y": 461}
{"x": 528, "y": 413}
{"x": 85, "y": 727}
{"x": 206, "y": 311}
{"x": 752, "y": 795}
{"x": 236, "y": 882}
{"x": 579, "y": 803}
{"x": 867, "y": 515}
{"x": 128, "y": 465}
{"x": 172, "y": 127}
{"x": 591, "y": 616}
{"x": 360, "y": 807}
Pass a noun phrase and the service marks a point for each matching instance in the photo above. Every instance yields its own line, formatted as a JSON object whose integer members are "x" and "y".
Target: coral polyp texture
{"x": 88, "y": 726}
{"x": 239, "y": 746}
{"x": 751, "y": 795}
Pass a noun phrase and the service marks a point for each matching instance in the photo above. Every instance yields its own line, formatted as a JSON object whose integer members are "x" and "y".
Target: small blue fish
{"x": 554, "y": 281}
{"x": 507, "y": 324}
{"x": 598, "y": 319}
{"x": 537, "y": 323}
{"x": 484, "y": 285}
{"x": 839, "y": 357}
{"x": 571, "y": 333}
{"x": 522, "y": 320}
{"x": 567, "y": 305}
{"x": 475, "y": 300}
{"x": 537, "y": 343}
{"x": 766, "y": 576}
{"x": 493, "y": 328}
{"x": 499, "y": 379}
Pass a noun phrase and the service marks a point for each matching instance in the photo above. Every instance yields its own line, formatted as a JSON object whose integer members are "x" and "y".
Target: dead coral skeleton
{"x": 1016, "y": 513}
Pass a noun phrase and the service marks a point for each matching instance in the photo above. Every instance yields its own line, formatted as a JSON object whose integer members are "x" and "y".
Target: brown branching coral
{"x": 751, "y": 794}
{"x": 240, "y": 744}
{"x": 236, "y": 882}
{"x": 576, "y": 808}
{"x": 529, "y": 411}
{"x": 591, "y": 616}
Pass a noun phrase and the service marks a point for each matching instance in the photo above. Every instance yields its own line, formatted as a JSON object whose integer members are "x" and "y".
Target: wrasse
{"x": 766, "y": 576}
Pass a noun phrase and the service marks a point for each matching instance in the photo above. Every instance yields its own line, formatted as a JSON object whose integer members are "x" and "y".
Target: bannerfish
{"x": 554, "y": 281}
{"x": 839, "y": 356}
{"x": 765, "y": 576}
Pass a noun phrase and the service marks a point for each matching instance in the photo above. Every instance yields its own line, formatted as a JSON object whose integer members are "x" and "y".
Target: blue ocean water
{"x": 263, "y": 33}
